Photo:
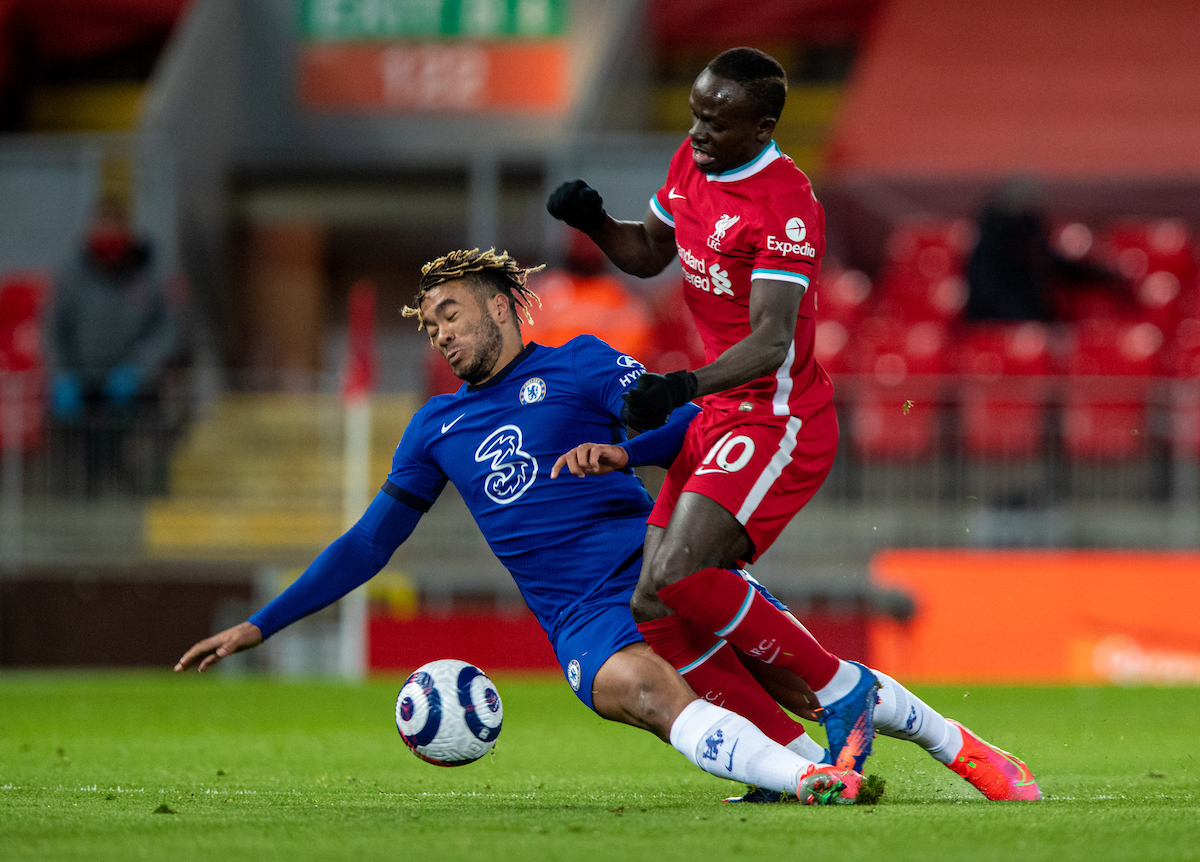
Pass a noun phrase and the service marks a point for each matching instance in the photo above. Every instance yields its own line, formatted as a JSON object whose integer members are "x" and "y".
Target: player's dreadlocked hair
{"x": 759, "y": 74}
{"x": 497, "y": 270}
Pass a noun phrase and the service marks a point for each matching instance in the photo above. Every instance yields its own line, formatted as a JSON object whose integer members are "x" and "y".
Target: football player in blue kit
{"x": 521, "y": 407}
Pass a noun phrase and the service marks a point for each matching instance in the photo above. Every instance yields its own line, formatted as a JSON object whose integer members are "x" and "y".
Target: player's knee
{"x": 646, "y": 606}
{"x": 658, "y": 699}
{"x": 665, "y": 569}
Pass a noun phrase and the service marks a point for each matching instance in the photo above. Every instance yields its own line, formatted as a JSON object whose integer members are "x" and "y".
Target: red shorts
{"x": 762, "y": 469}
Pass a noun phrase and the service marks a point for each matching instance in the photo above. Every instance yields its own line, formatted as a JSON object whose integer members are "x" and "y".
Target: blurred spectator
{"x": 1013, "y": 269}
{"x": 585, "y": 296}
{"x": 110, "y": 336}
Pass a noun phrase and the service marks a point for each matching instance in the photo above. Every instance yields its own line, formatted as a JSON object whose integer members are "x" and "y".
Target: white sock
{"x": 903, "y": 715}
{"x": 843, "y": 681}
{"x": 725, "y": 744}
{"x": 808, "y": 748}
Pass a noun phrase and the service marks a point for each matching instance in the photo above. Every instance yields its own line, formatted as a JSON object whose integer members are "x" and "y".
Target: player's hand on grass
{"x": 591, "y": 459}
{"x": 578, "y": 204}
{"x": 211, "y": 650}
{"x": 648, "y": 404}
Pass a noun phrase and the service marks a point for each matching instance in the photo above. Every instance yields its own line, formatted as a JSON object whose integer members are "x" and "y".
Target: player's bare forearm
{"x": 591, "y": 459}
{"x": 752, "y": 357}
{"x": 642, "y": 249}
{"x": 774, "y": 307}
{"x": 211, "y": 650}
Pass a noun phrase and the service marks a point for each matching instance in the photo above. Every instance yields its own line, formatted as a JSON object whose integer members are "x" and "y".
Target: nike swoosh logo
{"x": 729, "y": 767}
{"x": 446, "y": 428}
{"x": 700, "y": 471}
{"x": 671, "y": 196}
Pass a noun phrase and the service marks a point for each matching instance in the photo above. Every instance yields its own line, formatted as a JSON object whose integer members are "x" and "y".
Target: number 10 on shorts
{"x": 730, "y": 454}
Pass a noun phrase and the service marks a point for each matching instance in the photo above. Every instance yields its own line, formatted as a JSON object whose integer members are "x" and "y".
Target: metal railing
{"x": 954, "y": 481}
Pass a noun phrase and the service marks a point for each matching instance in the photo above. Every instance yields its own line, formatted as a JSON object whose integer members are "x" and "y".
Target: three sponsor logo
{"x": 513, "y": 469}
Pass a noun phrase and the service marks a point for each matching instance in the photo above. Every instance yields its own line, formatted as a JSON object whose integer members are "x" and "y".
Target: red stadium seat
{"x": 1184, "y": 355}
{"x": 895, "y": 404}
{"x": 922, "y": 278}
{"x": 937, "y": 247}
{"x": 1185, "y": 365}
{"x": 1157, "y": 258}
{"x": 843, "y": 295}
{"x": 22, "y": 364}
{"x": 1110, "y": 365}
{"x": 1077, "y": 302}
{"x": 1004, "y": 394}
{"x": 834, "y": 347}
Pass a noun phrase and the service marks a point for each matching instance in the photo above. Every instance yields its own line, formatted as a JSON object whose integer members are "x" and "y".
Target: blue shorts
{"x": 597, "y": 628}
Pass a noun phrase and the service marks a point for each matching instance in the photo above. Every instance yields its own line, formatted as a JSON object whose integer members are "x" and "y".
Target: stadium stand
{"x": 946, "y": 426}
{"x": 1004, "y": 393}
{"x": 22, "y": 366}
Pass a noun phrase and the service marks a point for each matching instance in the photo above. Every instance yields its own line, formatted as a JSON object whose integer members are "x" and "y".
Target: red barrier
{"x": 1041, "y": 616}
{"x": 499, "y": 641}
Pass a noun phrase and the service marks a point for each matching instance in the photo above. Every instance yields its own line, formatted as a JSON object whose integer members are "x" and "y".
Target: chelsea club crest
{"x": 533, "y": 390}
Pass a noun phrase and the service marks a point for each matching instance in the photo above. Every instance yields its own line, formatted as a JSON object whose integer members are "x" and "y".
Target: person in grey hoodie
{"x": 110, "y": 335}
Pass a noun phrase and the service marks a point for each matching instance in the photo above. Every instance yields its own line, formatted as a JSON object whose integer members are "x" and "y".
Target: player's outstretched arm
{"x": 639, "y": 248}
{"x": 591, "y": 459}
{"x": 350, "y": 561}
{"x": 211, "y": 650}
{"x": 658, "y": 447}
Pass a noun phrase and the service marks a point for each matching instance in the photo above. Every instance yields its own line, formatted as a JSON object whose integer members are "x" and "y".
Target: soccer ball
{"x": 449, "y": 713}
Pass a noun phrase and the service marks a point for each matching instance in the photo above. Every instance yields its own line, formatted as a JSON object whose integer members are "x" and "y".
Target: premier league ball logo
{"x": 449, "y": 713}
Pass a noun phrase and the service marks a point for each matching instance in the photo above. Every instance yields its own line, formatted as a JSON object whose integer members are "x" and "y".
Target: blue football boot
{"x": 850, "y": 722}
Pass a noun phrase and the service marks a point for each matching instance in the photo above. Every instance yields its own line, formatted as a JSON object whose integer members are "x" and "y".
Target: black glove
{"x": 578, "y": 204}
{"x": 649, "y": 403}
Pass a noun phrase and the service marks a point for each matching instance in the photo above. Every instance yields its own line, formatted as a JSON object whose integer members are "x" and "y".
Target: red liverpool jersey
{"x": 758, "y": 221}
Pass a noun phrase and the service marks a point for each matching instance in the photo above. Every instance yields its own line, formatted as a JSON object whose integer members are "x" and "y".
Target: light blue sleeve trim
{"x": 780, "y": 275}
{"x": 658, "y": 210}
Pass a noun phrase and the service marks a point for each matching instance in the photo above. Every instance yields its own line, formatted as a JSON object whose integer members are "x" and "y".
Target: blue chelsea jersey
{"x": 561, "y": 539}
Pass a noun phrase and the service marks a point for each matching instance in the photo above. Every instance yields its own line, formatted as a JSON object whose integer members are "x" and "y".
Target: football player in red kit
{"x": 749, "y": 233}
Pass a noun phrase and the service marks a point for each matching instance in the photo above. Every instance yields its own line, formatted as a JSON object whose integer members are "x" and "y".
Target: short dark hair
{"x": 760, "y": 75}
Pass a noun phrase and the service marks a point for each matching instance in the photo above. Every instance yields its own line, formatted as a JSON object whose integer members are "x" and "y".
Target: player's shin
{"x": 722, "y": 602}
{"x": 902, "y": 715}
{"x": 712, "y": 669}
{"x": 809, "y": 749}
{"x": 727, "y": 745}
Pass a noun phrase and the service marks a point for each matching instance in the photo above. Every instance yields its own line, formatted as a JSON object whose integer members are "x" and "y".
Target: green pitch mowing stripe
{"x": 126, "y": 766}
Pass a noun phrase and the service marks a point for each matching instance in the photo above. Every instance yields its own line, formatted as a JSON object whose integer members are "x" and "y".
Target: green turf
{"x": 273, "y": 770}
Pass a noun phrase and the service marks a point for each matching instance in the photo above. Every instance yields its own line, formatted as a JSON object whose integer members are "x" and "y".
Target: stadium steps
{"x": 101, "y": 106}
{"x": 262, "y": 473}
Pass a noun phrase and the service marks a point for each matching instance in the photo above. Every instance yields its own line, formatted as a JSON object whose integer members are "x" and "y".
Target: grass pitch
{"x": 126, "y": 766}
